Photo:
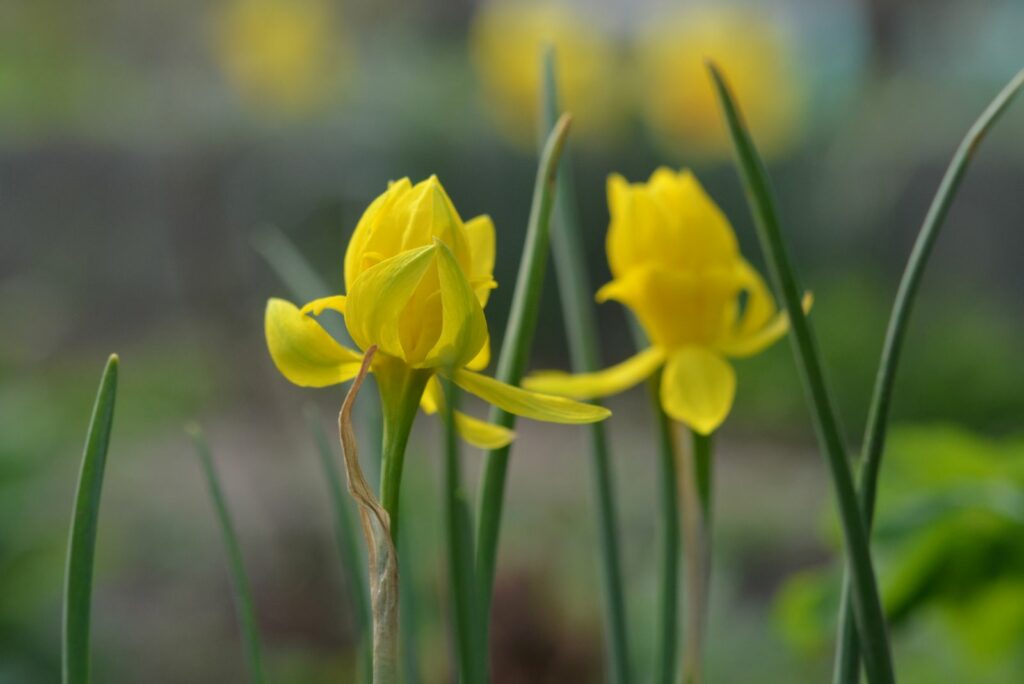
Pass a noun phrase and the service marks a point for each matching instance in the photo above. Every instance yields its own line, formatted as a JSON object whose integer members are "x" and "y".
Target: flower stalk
{"x": 382, "y": 559}
{"x": 668, "y": 598}
{"x": 462, "y": 582}
{"x": 696, "y": 494}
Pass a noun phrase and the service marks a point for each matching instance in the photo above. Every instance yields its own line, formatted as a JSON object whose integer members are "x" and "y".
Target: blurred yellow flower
{"x": 417, "y": 278}
{"x": 676, "y": 264}
{"x": 280, "y": 54}
{"x": 677, "y": 97}
{"x": 506, "y": 42}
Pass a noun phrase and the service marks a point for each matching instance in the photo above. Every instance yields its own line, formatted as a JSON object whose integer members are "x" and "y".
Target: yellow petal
{"x": 379, "y": 296}
{"x": 759, "y": 340}
{"x": 303, "y": 351}
{"x": 463, "y": 326}
{"x": 697, "y": 388}
{"x": 482, "y": 434}
{"x": 318, "y": 306}
{"x": 760, "y": 305}
{"x": 668, "y": 221}
{"x": 618, "y": 378}
{"x": 522, "y": 402}
{"x": 366, "y": 238}
{"x": 477, "y": 432}
{"x": 483, "y": 357}
{"x": 480, "y": 234}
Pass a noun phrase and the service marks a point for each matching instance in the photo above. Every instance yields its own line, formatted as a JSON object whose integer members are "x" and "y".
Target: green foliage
{"x": 949, "y": 539}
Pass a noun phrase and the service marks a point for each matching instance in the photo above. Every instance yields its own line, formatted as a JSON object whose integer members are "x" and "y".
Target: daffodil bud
{"x": 417, "y": 277}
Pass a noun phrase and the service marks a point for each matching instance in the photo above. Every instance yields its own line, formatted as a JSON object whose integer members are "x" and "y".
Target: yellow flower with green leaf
{"x": 417, "y": 279}
{"x": 676, "y": 265}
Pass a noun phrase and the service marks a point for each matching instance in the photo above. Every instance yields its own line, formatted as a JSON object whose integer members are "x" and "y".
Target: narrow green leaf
{"x": 577, "y": 297}
{"x": 82, "y": 537}
{"x": 461, "y": 575}
{"x": 353, "y": 560}
{"x": 847, "y": 666}
{"x": 515, "y": 350}
{"x": 236, "y": 567}
{"x": 867, "y": 605}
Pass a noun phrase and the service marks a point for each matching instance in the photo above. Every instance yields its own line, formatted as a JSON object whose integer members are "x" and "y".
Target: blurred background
{"x": 154, "y": 156}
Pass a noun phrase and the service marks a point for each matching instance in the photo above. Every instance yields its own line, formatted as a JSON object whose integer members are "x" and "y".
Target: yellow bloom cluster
{"x": 417, "y": 279}
{"x": 664, "y": 77}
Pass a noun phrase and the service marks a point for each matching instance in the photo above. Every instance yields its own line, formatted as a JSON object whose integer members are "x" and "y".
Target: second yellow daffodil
{"x": 417, "y": 279}
{"x": 676, "y": 265}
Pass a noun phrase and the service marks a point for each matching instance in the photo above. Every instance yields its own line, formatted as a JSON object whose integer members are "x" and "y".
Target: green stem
{"x": 697, "y": 515}
{"x": 345, "y": 535}
{"x": 462, "y": 585}
{"x": 401, "y": 389}
{"x": 236, "y": 566}
{"x": 82, "y": 537}
{"x": 668, "y": 600}
{"x": 847, "y": 665}
{"x": 512, "y": 362}
{"x": 581, "y": 332}
{"x": 867, "y": 603}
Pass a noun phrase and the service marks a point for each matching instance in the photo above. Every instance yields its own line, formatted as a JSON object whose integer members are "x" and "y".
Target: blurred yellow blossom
{"x": 676, "y": 265}
{"x": 284, "y": 55}
{"x": 417, "y": 278}
{"x": 506, "y": 42}
{"x": 751, "y": 46}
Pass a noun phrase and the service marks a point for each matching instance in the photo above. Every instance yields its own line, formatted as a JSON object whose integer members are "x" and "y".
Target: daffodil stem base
{"x": 697, "y": 509}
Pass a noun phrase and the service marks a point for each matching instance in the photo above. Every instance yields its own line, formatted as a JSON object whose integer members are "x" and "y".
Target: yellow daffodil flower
{"x": 506, "y": 40}
{"x": 751, "y": 46}
{"x": 281, "y": 55}
{"x": 417, "y": 279}
{"x": 676, "y": 265}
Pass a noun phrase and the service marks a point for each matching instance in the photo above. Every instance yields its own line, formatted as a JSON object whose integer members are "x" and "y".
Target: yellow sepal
{"x": 303, "y": 351}
{"x": 528, "y": 404}
{"x": 603, "y": 383}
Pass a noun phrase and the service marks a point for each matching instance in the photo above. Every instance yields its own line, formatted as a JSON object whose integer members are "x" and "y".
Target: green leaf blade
{"x": 82, "y": 538}
{"x": 847, "y": 664}
{"x": 868, "y": 608}
{"x": 236, "y": 566}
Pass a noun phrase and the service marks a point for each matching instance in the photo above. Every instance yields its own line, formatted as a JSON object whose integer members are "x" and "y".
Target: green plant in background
{"x": 948, "y": 539}
{"x": 82, "y": 537}
{"x": 236, "y": 565}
